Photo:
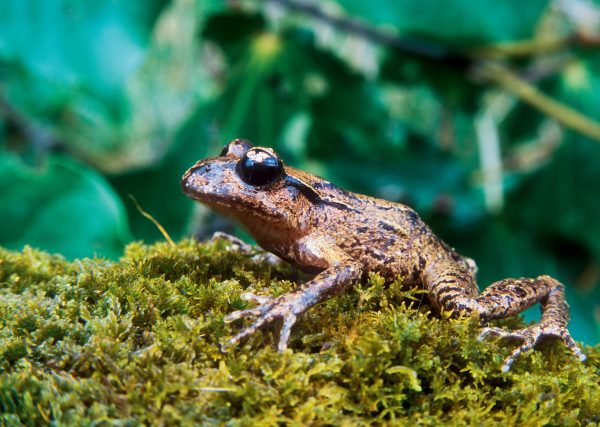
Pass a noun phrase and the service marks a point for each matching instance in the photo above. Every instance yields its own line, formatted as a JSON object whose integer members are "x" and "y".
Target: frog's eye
{"x": 236, "y": 148}
{"x": 259, "y": 167}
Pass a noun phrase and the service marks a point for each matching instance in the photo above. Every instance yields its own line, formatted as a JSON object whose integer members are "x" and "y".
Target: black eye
{"x": 259, "y": 167}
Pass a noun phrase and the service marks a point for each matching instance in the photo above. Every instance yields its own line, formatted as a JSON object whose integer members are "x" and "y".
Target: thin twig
{"x": 426, "y": 49}
{"x": 522, "y": 48}
{"x": 530, "y": 94}
{"x": 154, "y": 221}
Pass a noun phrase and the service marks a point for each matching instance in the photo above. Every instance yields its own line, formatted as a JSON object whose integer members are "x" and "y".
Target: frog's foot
{"x": 237, "y": 244}
{"x": 530, "y": 337}
{"x": 286, "y": 307}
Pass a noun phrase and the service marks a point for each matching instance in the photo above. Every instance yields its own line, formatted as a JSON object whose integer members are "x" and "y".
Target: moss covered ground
{"x": 94, "y": 342}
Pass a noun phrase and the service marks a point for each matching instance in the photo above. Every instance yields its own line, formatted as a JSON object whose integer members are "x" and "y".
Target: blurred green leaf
{"x": 95, "y": 45}
{"x": 64, "y": 207}
{"x": 115, "y": 103}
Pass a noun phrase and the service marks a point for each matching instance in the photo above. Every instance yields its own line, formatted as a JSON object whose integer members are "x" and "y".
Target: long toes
{"x": 530, "y": 342}
{"x": 259, "y": 299}
{"x": 572, "y": 346}
{"x": 499, "y": 332}
{"x": 285, "y": 308}
{"x": 530, "y": 337}
{"x": 242, "y": 314}
{"x": 267, "y": 258}
{"x": 236, "y": 243}
{"x": 284, "y": 335}
{"x": 248, "y": 331}
{"x": 491, "y": 331}
{"x": 510, "y": 359}
{"x": 563, "y": 334}
{"x": 265, "y": 303}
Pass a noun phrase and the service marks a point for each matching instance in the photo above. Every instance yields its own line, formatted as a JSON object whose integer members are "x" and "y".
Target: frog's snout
{"x": 207, "y": 181}
{"x": 195, "y": 180}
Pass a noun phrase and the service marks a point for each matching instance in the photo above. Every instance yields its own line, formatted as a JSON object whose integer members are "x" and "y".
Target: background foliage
{"x": 481, "y": 115}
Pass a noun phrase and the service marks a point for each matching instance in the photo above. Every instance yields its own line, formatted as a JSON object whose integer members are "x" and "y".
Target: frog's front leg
{"x": 453, "y": 288}
{"x": 288, "y": 307}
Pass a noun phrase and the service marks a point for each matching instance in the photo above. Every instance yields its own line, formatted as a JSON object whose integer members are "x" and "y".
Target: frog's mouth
{"x": 206, "y": 183}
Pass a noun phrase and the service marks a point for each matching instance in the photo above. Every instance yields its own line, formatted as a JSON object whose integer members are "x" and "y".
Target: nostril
{"x": 200, "y": 170}
{"x": 196, "y": 177}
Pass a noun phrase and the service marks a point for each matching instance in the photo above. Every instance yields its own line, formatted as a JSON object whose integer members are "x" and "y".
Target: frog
{"x": 340, "y": 237}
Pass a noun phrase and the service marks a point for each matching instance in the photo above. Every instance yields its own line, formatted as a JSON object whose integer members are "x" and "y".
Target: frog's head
{"x": 252, "y": 185}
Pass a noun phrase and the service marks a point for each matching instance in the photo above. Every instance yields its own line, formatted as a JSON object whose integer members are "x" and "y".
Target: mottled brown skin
{"x": 341, "y": 236}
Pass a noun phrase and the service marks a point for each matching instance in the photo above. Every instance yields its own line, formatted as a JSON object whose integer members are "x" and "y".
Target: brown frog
{"x": 341, "y": 236}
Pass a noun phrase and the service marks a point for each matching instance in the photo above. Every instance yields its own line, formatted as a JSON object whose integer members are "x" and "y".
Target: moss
{"x": 137, "y": 342}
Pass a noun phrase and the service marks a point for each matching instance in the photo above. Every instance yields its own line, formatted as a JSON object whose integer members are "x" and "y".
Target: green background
{"x": 99, "y": 100}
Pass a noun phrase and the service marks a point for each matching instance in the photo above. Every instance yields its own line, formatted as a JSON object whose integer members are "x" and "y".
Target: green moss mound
{"x": 137, "y": 342}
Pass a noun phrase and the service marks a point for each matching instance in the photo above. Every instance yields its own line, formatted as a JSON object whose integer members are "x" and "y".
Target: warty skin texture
{"x": 341, "y": 236}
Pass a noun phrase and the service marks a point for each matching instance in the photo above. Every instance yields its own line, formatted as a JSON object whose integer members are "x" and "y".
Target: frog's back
{"x": 364, "y": 215}
{"x": 383, "y": 236}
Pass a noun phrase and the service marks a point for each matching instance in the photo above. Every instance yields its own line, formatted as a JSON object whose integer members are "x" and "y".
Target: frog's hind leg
{"x": 550, "y": 293}
{"x": 456, "y": 291}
